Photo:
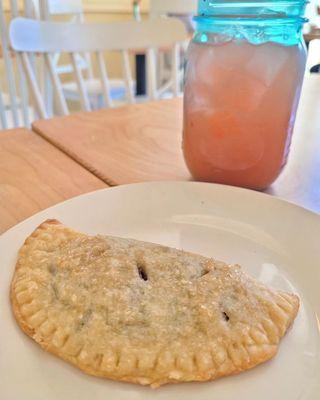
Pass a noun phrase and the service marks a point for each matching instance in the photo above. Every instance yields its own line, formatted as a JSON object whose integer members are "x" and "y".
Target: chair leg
{"x": 127, "y": 76}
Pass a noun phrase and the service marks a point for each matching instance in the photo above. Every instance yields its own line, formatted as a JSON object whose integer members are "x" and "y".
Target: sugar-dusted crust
{"x": 143, "y": 313}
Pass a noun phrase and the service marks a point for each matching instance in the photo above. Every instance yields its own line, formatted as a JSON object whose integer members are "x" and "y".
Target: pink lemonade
{"x": 239, "y": 110}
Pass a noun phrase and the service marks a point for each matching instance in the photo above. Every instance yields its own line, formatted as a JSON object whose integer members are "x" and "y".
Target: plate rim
{"x": 257, "y": 194}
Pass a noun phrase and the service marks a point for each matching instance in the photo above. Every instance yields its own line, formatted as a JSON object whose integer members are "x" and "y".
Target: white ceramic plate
{"x": 275, "y": 241}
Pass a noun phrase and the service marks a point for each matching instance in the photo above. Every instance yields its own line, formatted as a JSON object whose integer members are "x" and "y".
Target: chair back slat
{"x": 175, "y": 70}
{"x": 24, "y": 93}
{"x": 57, "y": 85}
{"x": 31, "y": 8}
{"x": 15, "y": 102}
{"x": 38, "y": 99}
{"x": 104, "y": 79}
{"x": 3, "y": 118}
{"x": 85, "y": 103}
{"x": 14, "y": 8}
{"x": 127, "y": 76}
{"x": 21, "y": 79}
{"x": 9, "y": 70}
{"x": 151, "y": 68}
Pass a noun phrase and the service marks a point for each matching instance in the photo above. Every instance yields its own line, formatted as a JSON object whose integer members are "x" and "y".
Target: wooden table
{"x": 143, "y": 143}
{"x": 35, "y": 175}
{"x": 124, "y": 145}
{"x": 131, "y": 144}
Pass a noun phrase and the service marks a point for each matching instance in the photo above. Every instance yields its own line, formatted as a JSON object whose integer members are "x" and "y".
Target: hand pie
{"x": 143, "y": 313}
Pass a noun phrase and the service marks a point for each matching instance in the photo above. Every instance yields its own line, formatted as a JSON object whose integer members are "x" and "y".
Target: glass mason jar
{"x": 244, "y": 75}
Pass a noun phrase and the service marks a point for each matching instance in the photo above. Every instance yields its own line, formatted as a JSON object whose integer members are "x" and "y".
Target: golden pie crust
{"x": 143, "y": 313}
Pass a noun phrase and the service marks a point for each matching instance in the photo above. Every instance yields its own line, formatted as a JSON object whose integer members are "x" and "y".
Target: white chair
{"x": 184, "y": 10}
{"x": 29, "y": 36}
{"x": 15, "y": 110}
{"x": 48, "y": 10}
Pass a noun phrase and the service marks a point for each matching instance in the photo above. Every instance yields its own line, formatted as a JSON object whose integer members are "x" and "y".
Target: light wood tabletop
{"x": 123, "y": 145}
{"x": 35, "y": 175}
{"x": 143, "y": 142}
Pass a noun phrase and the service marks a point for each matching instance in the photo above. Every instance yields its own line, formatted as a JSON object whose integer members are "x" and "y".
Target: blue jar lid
{"x": 262, "y": 8}
{"x": 258, "y": 22}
